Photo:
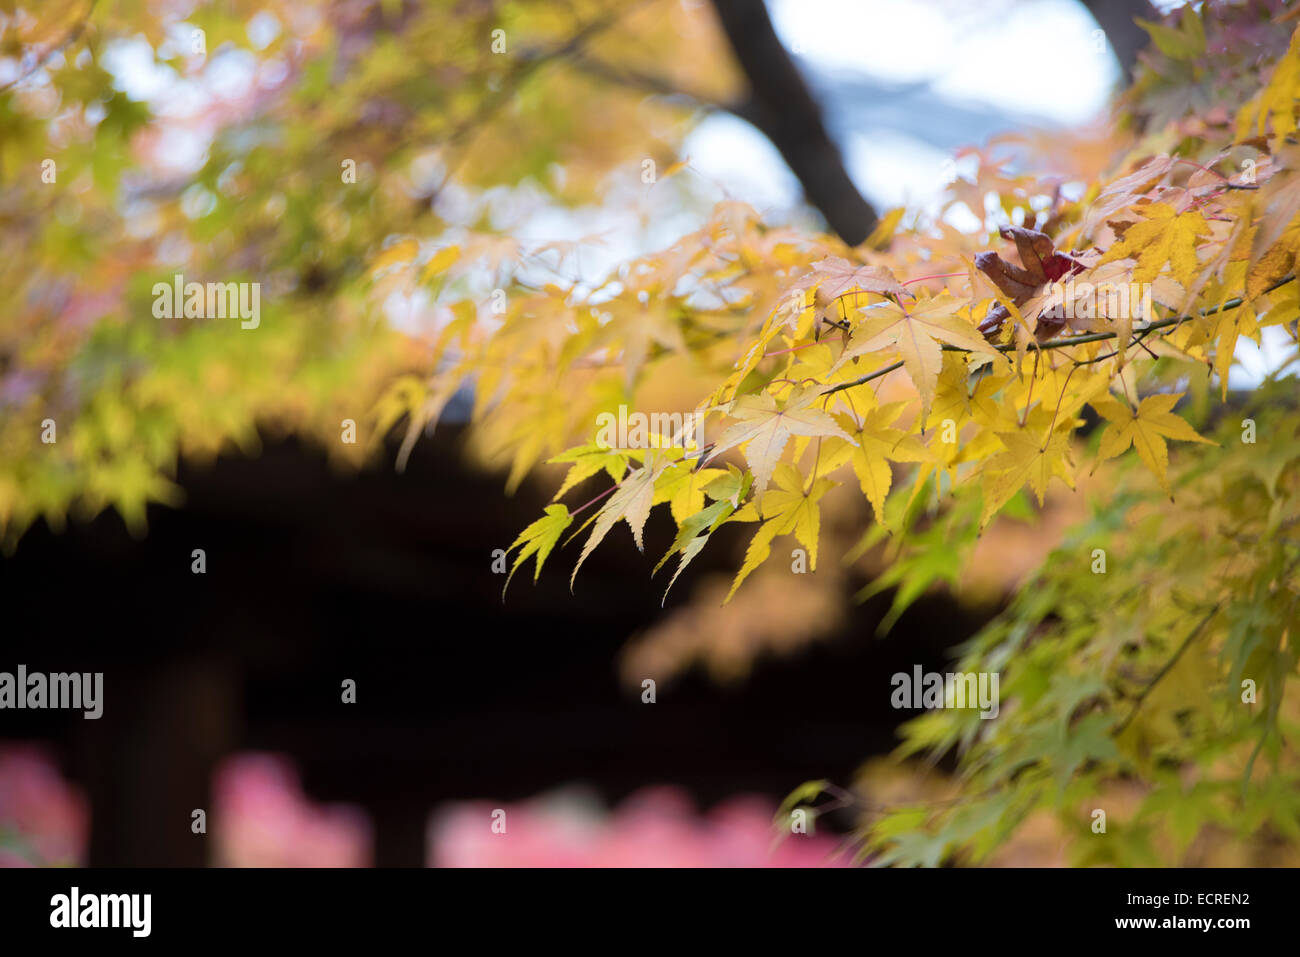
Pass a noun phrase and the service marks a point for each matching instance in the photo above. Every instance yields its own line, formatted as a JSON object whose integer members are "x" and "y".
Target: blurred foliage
{"x": 320, "y": 132}
{"x": 379, "y": 167}
{"x": 1170, "y": 669}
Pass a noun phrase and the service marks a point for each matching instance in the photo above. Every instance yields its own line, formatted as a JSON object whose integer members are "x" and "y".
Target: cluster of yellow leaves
{"x": 315, "y": 185}
{"x": 825, "y": 360}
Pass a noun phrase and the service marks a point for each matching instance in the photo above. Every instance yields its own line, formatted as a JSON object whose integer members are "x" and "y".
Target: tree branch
{"x": 782, "y": 108}
{"x": 73, "y": 32}
{"x": 1117, "y": 18}
{"x": 646, "y": 82}
{"x": 1068, "y": 341}
{"x": 524, "y": 67}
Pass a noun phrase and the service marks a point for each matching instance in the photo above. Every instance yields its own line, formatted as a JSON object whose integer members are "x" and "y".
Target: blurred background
{"x": 191, "y": 135}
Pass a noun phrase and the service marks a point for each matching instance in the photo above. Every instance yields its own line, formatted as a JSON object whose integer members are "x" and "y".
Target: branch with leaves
{"x": 950, "y": 399}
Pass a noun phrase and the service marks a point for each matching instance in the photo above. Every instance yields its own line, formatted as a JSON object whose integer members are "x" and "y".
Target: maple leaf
{"x": 877, "y": 445}
{"x": 1280, "y": 197}
{"x": 1185, "y": 42}
{"x": 694, "y": 531}
{"x": 538, "y": 539}
{"x": 763, "y": 429}
{"x": 785, "y": 509}
{"x": 588, "y": 460}
{"x": 691, "y": 538}
{"x": 1276, "y": 264}
{"x": 1126, "y": 190}
{"x": 1042, "y": 264}
{"x": 834, "y": 277}
{"x": 683, "y": 487}
{"x": 1229, "y": 327}
{"x": 1164, "y": 236}
{"x": 1101, "y": 298}
{"x": 631, "y": 502}
{"x": 1275, "y": 103}
{"x": 1027, "y": 459}
{"x": 733, "y": 486}
{"x": 917, "y": 333}
{"x": 1146, "y": 430}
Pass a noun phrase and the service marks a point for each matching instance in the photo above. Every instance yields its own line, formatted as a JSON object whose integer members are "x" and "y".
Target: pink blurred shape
{"x": 657, "y": 827}
{"x": 261, "y": 818}
{"x": 43, "y": 819}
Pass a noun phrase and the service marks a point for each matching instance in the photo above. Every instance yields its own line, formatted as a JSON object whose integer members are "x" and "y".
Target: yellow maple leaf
{"x": 785, "y": 509}
{"x": 538, "y": 539}
{"x": 587, "y": 460}
{"x": 1276, "y": 101}
{"x": 1231, "y": 326}
{"x": 763, "y": 429}
{"x": 1279, "y": 199}
{"x": 917, "y": 333}
{"x": 1164, "y": 236}
{"x": 1027, "y": 459}
{"x": 1275, "y": 264}
{"x": 682, "y": 487}
{"x": 631, "y": 502}
{"x": 877, "y": 444}
{"x": 1146, "y": 430}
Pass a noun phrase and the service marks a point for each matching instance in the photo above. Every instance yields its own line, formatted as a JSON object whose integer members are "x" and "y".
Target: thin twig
{"x": 1069, "y": 341}
{"x": 1168, "y": 666}
{"x": 73, "y": 32}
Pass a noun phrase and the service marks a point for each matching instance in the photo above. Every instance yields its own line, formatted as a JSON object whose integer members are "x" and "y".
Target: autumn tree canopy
{"x": 366, "y": 163}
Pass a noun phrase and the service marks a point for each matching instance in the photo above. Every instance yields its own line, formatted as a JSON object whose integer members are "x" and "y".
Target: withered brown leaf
{"x": 1041, "y": 264}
